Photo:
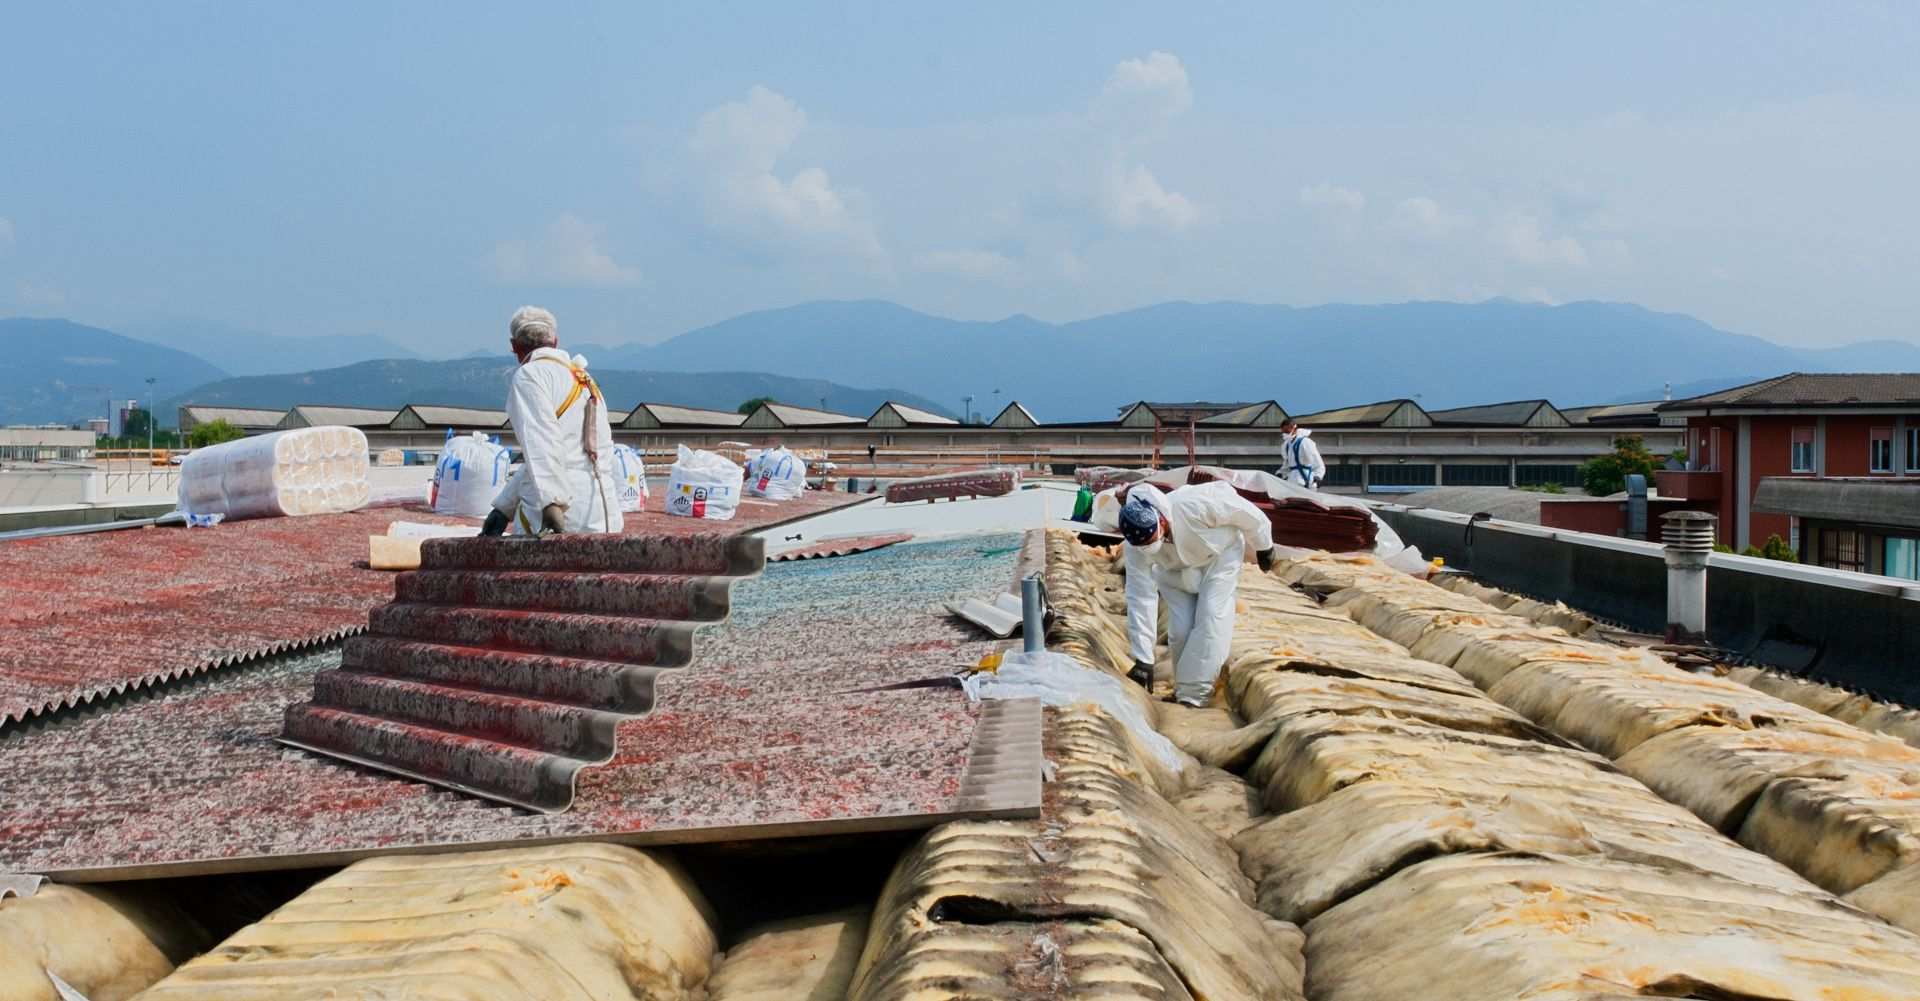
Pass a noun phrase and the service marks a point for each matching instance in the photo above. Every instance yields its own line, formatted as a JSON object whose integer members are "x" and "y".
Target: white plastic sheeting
{"x": 470, "y": 474}
{"x": 317, "y": 470}
{"x": 1059, "y": 680}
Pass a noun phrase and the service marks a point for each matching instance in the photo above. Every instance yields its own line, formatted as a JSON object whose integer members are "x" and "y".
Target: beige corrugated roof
{"x": 435, "y": 416}
{"x": 793, "y": 416}
{"x": 320, "y": 415}
{"x": 915, "y": 415}
{"x": 255, "y": 417}
{"x": 1368, "y": 414}
{"x": 1512, "y": 414}
{"x": 673, "y": 415}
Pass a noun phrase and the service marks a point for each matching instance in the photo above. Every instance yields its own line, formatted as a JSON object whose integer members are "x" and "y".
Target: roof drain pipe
{"x": 1033, "y": 608}
{"x": 1689, "y": 539}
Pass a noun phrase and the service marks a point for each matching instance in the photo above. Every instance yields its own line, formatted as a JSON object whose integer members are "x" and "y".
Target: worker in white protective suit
{"x": 566, "y": 480}
{"x": 1303, "y": 466}
{"x": 1186, "y": 547}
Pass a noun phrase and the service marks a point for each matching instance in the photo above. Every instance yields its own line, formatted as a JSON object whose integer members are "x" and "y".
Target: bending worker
{"x": 1187, "y": 546}
{"x": 565, "y": 482}
{"x": 1303, "y": 466}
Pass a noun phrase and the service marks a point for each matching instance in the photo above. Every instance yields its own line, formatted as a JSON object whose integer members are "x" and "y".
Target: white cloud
{"x": 978, "y": 264}
{"x": 568, "y": 253}
{"x": 1522, "y": 239}
{"x": 1324, "y": 195}
{"x": 1145, "y": 93}
{"x": 1424, "y": 217}
{"x": 1134, "y": 198}
{"x": 739, "y": 144}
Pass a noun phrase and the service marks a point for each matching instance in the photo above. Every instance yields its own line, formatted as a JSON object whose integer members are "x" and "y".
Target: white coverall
{"x": 1197, "y": 571}
{"x": 555, "y": 469}
{"x": 1303, "y": 466}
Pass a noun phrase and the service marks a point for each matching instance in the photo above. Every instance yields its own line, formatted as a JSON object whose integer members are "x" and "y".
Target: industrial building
{"x": 1390, "y": 447}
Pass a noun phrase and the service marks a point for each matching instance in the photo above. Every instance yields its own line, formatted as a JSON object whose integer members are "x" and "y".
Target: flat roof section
{"x": 778, "y": 732}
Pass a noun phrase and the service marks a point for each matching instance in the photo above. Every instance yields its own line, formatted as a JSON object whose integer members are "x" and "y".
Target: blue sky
{"x": 418, "y": 170}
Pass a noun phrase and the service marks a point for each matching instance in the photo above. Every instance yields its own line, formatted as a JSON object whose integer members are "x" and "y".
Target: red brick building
{"x": 1809, "y": 426}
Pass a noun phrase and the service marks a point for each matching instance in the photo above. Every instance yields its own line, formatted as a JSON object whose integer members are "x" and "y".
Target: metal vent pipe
{"x": 1689, "y": 537}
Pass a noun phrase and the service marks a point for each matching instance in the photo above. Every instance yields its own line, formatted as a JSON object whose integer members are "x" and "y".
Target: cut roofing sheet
{"x": 770, "y": 737}
{"x": 503, "y": 667}
{"x": 91, "y": 615}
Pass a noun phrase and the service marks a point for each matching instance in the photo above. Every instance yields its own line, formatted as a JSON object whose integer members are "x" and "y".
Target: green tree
{"x": 1607, "y": 474}
{"x": 213, "y": 433}
{"x": 754, "y": 404}
{"x": 1776, "y": 548}
{"x": 135, "y": 426}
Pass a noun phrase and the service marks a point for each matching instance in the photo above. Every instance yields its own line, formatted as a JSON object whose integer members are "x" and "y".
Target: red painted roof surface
{"x": 89, "y": 615}
{"x": 770, "y": 736}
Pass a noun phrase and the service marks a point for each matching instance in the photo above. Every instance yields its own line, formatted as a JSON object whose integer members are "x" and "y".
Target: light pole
{"x": 966, "y": 416}
{"x": 149, "y": 418}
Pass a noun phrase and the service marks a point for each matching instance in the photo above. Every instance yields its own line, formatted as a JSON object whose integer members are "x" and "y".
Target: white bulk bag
{"x": 704, "y": 485}
{"x": 469, "y": 475}
{"x": 318, "y": 470}
{"x": 630, "y": 475}
{"x": 777, "y": 474}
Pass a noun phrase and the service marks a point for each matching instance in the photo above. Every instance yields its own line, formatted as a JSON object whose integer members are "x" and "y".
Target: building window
{"x": 1802, "y": 457}
{"x": 1395, "y": 474}
{"x": 1343, "y": 475}
{"x": 1903, "y": 558}
{"x": 1880, "y": 451}
{"x": 1913, "y": 450}
{"x": 1843, "y": 549}
{"x": 1533, "y": 476}
{"x": 1474, "y": 475}
{"x": 1793, "y": 533}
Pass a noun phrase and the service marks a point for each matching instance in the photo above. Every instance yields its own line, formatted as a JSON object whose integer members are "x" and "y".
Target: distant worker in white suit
{"x": 566, "y": 480}
{"x": 1303, "y": 466}
{"x": 1187, "y": 547}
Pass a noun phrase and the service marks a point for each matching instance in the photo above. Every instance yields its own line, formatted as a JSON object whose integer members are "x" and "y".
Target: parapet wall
{"x": 1850, "y": 629}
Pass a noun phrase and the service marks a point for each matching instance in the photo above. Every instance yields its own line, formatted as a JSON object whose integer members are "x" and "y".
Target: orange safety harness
{"x": 582, "y": 384}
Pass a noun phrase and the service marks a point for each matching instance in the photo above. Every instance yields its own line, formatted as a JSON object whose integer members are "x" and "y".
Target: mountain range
{"x": 240, "y": 351}
{"x": 1309, "y": 358}
{"x": 481, "y": 382}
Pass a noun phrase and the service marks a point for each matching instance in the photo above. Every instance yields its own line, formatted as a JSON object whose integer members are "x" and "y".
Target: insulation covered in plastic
{"x": 580, "y": 922}
{"x": 316, "y": 470}
{"x": 108, "y": 944}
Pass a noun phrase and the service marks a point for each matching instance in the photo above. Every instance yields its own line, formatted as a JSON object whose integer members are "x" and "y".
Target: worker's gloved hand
{"x": 550, "y": 519}
{"x": 1142, "y": 674}
{"x": 496, "y": 523}
{"x": 1265, "y": 558}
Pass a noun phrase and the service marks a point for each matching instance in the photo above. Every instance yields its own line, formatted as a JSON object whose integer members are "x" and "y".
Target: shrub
{"x": 1607, "y": 474}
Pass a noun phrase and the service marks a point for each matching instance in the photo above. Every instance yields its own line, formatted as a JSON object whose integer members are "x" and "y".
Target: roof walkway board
{"x": 772, "y": 736}
{"x": 93, "y": 616}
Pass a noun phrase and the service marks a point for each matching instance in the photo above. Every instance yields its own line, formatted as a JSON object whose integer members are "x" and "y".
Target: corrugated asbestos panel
{"x": 91, "y": 616}
{"x": 952, "y": 486}
{"x": 774, "y": 735}
{"x": 847, "y": 546}
{"x": 504, "y": 666}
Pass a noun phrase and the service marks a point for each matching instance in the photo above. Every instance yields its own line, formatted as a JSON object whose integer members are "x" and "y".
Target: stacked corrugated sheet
{"x": 503, "y": 666}
{"x": 952, "y": 486}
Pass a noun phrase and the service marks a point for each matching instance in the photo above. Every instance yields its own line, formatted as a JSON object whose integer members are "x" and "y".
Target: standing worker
{"x": 565, "y": 482}
{"x": 1187, "y": 547}
{"x": 1303, "y": 466}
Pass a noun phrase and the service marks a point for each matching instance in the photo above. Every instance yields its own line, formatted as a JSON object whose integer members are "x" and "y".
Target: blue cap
{"x": 1139, "y": 520}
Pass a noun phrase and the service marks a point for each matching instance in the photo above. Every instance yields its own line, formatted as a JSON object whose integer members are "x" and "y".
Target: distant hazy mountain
{"x": 482, "y": 382}
{"x": 61, "y": 371}
{"x": 1446, "y": 354}
{"x": 254, "y": 352}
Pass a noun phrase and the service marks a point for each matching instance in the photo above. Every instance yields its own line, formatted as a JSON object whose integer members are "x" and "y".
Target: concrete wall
{"x": 1850, "y": 629}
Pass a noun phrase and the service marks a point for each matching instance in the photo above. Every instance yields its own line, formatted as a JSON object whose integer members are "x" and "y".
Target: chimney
{"x": 1689, "y": 539}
